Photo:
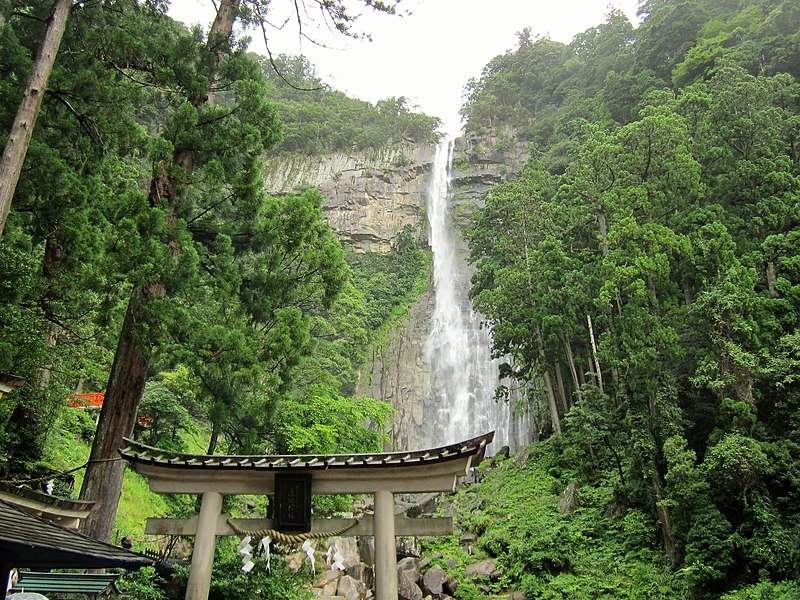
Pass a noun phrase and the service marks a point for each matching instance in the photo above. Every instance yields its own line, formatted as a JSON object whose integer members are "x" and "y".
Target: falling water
{"x": 463, "y": 375}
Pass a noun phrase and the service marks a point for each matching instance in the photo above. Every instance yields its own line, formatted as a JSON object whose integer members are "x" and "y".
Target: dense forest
{"x": 640, "y": 276}
{"x": 142, "y": 257}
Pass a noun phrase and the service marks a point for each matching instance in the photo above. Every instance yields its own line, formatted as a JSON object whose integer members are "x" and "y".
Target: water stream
{"x": 463, "y": 375}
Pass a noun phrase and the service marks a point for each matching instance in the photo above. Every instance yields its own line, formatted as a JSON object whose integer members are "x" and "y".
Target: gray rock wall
{"x": 369, "y": 196}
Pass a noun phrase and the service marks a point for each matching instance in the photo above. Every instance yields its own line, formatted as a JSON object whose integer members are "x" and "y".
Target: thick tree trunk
{"x": 555, "y": 420}
{"x": 19, "y": 137}
{"x": 772, "y": 278}
{"x": 103, "y": 479}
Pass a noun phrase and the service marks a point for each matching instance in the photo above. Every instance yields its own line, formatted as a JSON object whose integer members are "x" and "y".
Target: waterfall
{"x": 463, "y": 375}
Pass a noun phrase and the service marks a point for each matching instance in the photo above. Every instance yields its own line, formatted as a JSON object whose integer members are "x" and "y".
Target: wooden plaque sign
{"x": 292, "y": 502}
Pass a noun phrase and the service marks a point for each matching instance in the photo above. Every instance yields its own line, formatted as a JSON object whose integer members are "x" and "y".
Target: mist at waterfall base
{"x": 463, "y": 374}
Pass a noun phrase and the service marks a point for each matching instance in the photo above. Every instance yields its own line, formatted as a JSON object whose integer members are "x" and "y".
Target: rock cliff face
{"x": 398, "y": 371}
{"x": 369, "y": 198}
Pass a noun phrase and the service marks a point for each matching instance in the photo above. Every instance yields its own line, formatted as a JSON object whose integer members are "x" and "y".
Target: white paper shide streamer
{"x": 246, "y": 550}
{"x": 309, "y": 550}
{"x": 265, "y": 542}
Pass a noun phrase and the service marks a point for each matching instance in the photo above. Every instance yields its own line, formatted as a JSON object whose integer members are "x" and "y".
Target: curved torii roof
{"x": 433, "y": 470}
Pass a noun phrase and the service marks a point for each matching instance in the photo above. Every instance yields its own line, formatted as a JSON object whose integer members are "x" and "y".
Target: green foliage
{"x": 390, "y": 282}
{"x": 144, "y": 584}
{"x": 317, "y": 119}
{"x": 325, "y": 422}
{"x": 229, "y": 581}
{"x": 599, "y": 549}
{"x": 636, "y": 256}
{"x": 785, "y": 590}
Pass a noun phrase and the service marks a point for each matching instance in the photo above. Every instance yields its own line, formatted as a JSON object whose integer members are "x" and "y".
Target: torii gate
{"x": 383, "y": 475}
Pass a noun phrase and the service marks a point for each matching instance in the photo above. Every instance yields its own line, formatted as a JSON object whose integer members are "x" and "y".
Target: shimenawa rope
{"x": 296, "y": 538}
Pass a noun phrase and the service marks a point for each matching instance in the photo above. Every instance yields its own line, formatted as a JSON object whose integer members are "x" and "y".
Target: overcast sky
{"x": 429, "y": 52}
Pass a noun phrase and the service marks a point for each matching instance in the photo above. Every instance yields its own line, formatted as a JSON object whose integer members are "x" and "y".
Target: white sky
{"x": 430, "y": 52}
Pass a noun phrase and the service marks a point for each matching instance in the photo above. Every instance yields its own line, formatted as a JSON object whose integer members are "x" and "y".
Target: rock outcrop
{"x": 369, "y": 196}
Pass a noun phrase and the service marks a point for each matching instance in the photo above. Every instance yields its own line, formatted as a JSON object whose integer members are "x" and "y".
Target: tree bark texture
{"x": 103, "y": 479}
{"x": 562, "y": 392}
{"x": 19, "y": 137}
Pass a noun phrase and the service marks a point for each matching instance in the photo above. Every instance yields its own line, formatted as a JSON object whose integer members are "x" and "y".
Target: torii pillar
{"x": 382, "y": 475}
{"x": 385, "y": 548}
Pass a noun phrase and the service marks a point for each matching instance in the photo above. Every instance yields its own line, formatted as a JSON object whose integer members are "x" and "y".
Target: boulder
{"x": 485, "y": 568}
{"x": 409, "y": 546}
{"x": 351, "y": 589}
{"x": 569, "y": 501}
{"x": 366, "y": 549}
{"x": 522, "y": 456}
{"x": 349, "y": 548}
{"x": 362, "y": 572}
{"x": 407, "y": 588}
{"x": 467, "y": 538}
{"x": 409, "y": 564}
{"x": 327, "y": 590}
{"x": 294, "y": 561}
{"x": 325, "y": 577}
{"x": 433, "y": 581}
{"x": 451, "y": 585}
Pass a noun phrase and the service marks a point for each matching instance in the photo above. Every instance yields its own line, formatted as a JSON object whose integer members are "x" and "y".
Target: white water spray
{"x": 463, "y": 375}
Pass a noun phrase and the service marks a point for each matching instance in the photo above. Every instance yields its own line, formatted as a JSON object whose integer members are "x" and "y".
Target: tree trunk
{"x": 664, "y": 518}
{"x": 548, "y": 384}
{"x": 214, "y": 439}
{"x": 598, "y": 373}
{"x": 571, "y": 364}
{"x": 19, "y": 137}
{"x": 555, "y": 420}
{"x": 772, "y": 278}
{"x": 103, "y": 479}
{"x": 562, "y": 393}
{"x": 52, "y": 258}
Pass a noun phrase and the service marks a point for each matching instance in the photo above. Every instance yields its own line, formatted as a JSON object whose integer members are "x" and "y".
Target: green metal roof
{"x": 66, "y": 583}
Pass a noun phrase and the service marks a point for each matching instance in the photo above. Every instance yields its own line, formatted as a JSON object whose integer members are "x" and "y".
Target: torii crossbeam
{"x": 383, "y": 475}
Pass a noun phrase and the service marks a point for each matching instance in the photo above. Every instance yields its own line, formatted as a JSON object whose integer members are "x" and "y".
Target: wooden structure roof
{"x": 8, "y": 382}
{"x": 66, "y": 512}
{"x": 32, "y": 542}
{"x": 433, "y": 470}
